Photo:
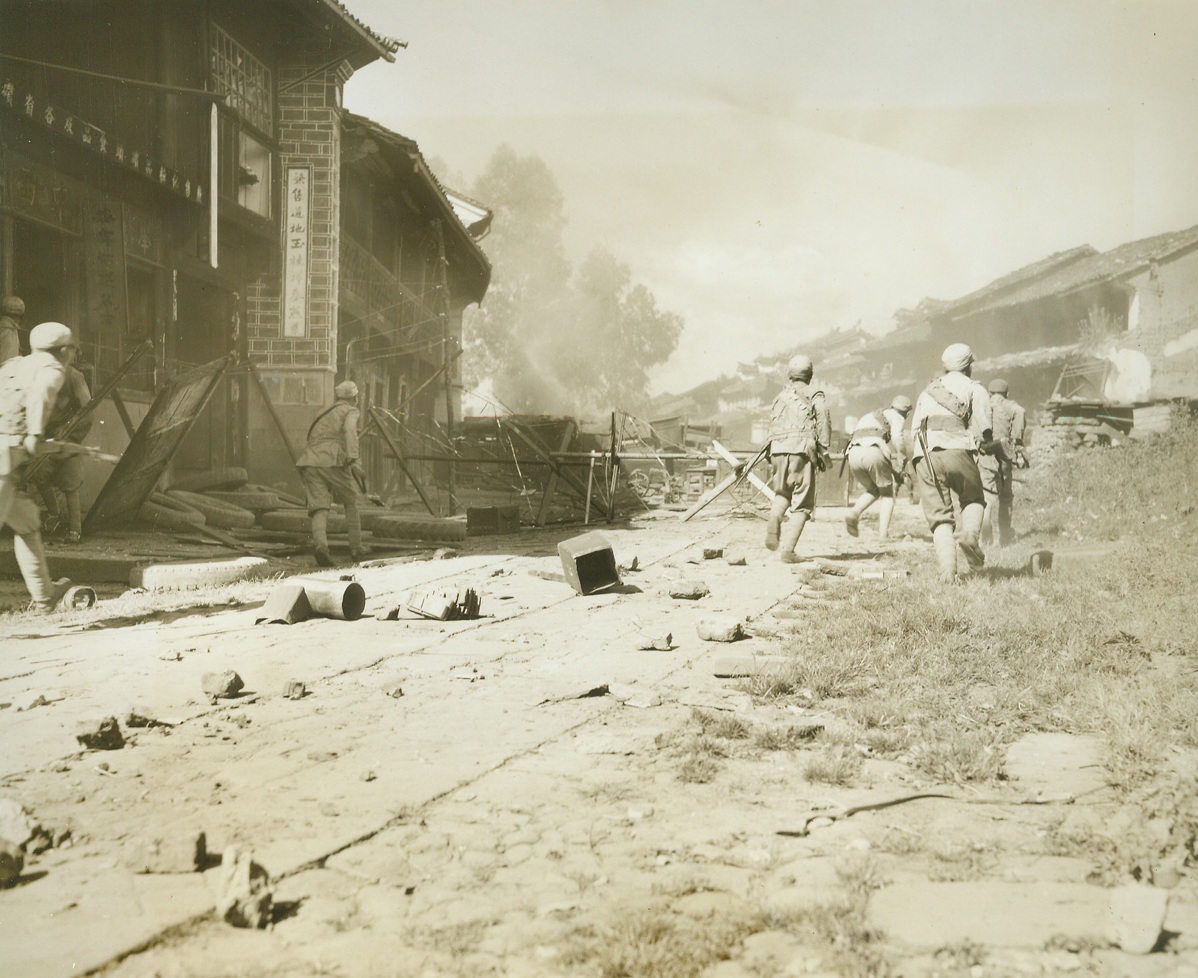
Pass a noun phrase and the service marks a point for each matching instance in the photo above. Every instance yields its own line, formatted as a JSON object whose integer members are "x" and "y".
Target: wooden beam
{"x": 735, "y": 476}
{"x": 400, "y": 459}
{"x": 737, "y": 463}
{"x": 551, "y": 482}
{"x": 274, "y": 415}
{"x": 545, "y": 455}
{"x": 119, "y": 403}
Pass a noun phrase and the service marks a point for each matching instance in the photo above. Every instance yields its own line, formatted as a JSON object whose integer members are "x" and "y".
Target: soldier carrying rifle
{"x": 29, "y": 387}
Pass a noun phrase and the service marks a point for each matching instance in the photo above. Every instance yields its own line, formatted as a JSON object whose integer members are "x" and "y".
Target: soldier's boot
{"x": 790, "y": 538}
{"x": 885, "y": 512}
{"x": 773, "y": 524}
{"x": 353, "y": 529}
{"x": 320, "y": 538}
{"x": 946, "y": 551}
{"x": 31, "y": 559}
{"x": 971, "y": 527}
{"x": 853, "y": 517}
{"x": 1006, "y": 535}
{"x": 74, "y": 516}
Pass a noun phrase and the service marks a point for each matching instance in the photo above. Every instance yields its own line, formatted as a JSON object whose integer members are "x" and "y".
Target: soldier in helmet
{"x": 951, "y": 421}
{"x": 11, "y": 311}
{"x": 877, "y": 454}
{"x": 29, "y": 387}
{"x": 799, "y": 434}
{"x": 330, "y": 470}
{"x": 997, "y": 461}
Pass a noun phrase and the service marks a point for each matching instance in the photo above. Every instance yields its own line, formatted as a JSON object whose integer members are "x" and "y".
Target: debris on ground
{"x": 441, "y": 605}
{"x": 295, "y": 690}
{"x": 222, "y": 685}
{"x": 185, "y": 851}
{"x": 720, "y": 629}
{"x": 713, "y": 553}
{"x": 33, "y": 702}
{"x": 735, "y": 558}
{"x": 285, "y": 606}
{"x": 138, "y": 718}
{"x": 246, "y": 898}
{"x": 1137, "y": 917}
{"x": 100, "y": 734}
{"x": 689, "y": 590}
{"x": 662, "y": 641}
{"x": 12, "y": 861}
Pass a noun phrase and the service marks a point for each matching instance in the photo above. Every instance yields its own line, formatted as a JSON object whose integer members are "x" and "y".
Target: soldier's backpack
{"x": 14, "y": 378}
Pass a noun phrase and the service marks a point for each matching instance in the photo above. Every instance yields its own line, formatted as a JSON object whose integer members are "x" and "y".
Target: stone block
{"x": 100, "y": 734}
{"x": 689, "y": 590}
{"x": 222, "y": 685}
{"x": 1137, "y": 917}
{"x": 185, "y": 851}
{"x": 245, "y": 897}
{"x": 742, "y": 666}
{"x": 720, "y": 629}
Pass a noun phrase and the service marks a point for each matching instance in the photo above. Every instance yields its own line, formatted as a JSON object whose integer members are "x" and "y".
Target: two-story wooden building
{"x": 174, "y": 172}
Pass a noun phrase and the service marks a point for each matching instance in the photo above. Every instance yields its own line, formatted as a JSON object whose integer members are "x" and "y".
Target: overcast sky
{"x": 772, "y": 169}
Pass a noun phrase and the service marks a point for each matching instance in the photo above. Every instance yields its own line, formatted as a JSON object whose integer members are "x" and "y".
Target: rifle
{"x": 843, "y": 459}
{"x": 922, "y": 434}
{"x": 361, "y": 481}
{"x": 16, "y": 455}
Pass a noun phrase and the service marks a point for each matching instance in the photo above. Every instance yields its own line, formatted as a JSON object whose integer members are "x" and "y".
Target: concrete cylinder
{"x": 345, "y": 600}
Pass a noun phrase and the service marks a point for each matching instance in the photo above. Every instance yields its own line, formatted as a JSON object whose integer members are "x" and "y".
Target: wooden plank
{"x": 536, "y": 445}
{"x": 119, "y": 403}
{"x": 551, "y": 483}
{"x": 736, "y": 463}
{"x": 728, "y": 482}
{"x": 400, "y": 459}
{"x": 274, "y": 415}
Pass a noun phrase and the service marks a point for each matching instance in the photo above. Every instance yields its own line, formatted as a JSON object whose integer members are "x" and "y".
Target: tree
{"x": 546, "y": 342}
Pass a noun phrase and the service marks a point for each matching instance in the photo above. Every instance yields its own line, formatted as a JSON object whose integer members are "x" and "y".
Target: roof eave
{"x": 383, "y": 47}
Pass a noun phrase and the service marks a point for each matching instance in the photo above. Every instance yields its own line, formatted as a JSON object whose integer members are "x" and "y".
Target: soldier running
{"x": 28, "y": 388}
{"x": 330, "y": 470}
{"x": 799, "y": 435}
{"x": 951, "y": 420}
{"x": 997, "y": 463}
{"x": 876, "y": 455}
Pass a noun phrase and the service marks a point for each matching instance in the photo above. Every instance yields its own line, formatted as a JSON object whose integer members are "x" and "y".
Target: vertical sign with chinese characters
{"x": 295, "y": 252}
{"x": 104, "y": 266}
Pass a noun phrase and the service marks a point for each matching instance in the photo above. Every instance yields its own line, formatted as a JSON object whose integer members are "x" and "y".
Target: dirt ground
{"x": 504, "y": 797}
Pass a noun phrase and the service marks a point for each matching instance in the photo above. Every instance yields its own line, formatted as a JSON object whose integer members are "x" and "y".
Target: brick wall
{"x": 299, "y": 371}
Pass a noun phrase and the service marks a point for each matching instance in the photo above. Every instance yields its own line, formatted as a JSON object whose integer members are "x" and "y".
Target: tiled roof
{"x": 387, "y": 46}
{"x": 1125, "y": 260}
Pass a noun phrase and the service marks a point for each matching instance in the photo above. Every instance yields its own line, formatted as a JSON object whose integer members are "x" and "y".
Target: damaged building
{"x": 186, "y": 174}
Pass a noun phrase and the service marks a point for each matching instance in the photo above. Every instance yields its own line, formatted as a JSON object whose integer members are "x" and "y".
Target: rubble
{"x": 185, "y": 851}
{"x": 141, "y": 718}
{"x": 295, "y": 690}
{"x": 720, "y": 629}
{"x": 633, "y": 695}
{"x": 662, "y": 642}
{"x": 100, "y": 735}
{"x": 16, "y": 825}
{"x": 442, "y": 605}
{"x": 285, "y": 606}
{"x": 734, "y": 558}
{"x": 222, "y": 685}
{"x": 713, "y": 553}
{"x": 12, "y": 861}
{"x": 245, "y": 895}
{"x": 689, "y": 590}
{"x": 1137, "y": 917}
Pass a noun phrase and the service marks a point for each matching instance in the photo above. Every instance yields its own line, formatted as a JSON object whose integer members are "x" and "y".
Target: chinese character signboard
{"x": 104, "y": 266}
{"x": 295, "y": 251}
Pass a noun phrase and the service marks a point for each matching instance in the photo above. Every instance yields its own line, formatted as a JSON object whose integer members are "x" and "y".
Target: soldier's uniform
{"x": 949, "y": 424}
{"x": 11, "y": 310}
{"x": 29, "y": 387}
{"x": 876, "y": 454}
{"x": 64, "y": 472}
{"x": 997, "y": 463}
{"x": 799, "y": 434}
{"x": 326, "y": 467}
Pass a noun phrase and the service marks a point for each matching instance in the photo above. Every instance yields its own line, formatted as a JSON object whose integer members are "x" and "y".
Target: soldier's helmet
{"x": 999, "y": 387}
{"x": 12, "y": 306}
{"x": 800, "y": 367}
{"x": 901, "y": 403}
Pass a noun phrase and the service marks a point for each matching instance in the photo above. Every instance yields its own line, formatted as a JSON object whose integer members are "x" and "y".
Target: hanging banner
{"x": 295, "y": 251}
{"x": 104, "y": 266}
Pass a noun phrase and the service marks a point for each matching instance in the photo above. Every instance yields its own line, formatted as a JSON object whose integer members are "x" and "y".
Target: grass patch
{"x": 834, "y": 764}
{"x": 657, "y": 944}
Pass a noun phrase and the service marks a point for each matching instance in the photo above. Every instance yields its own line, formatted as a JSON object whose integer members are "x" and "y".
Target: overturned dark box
{"x": 589, "y": 563}
{"x": 483, "y": 520}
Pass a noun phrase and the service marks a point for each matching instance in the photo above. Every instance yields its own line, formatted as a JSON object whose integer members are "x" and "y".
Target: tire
{"x": 227, "y": 478}
{"x": 284, "y": 497}
{"x": 432, "y": 529}
{"x": 176, "y": 503}
{"x": 252, "y": 499}
{"x": 205, "y": 573}
{"x": 297, "y": 521}
{"x": 216, "y": 513}
{"x": 161, "y": 517}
